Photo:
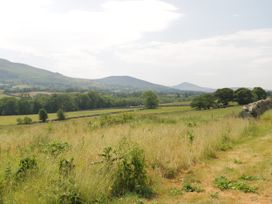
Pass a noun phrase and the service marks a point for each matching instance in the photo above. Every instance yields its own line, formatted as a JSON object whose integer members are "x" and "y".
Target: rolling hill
{"x": 17, "y": 75}
{"x": 192, "y": 87}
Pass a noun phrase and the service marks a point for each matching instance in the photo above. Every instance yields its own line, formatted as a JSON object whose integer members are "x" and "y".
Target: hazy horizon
{"x": 226, "y": 43}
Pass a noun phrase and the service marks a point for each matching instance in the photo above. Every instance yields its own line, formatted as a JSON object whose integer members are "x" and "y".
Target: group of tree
{"x": 222, "y": 97}
{"x": 73, "y": 102}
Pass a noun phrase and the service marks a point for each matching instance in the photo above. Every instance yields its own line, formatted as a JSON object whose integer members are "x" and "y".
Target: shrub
{"x": 224, "y": 184}
{"x": 206, "y": 101}
{"x": 187, "y": 187}
{"x": 26, "y": 165}
{"x": 224, "y": 95}
{"x": 131, "y": 175}
{"x": 43, "y": 116}
{"x": 66, "y": 167}
{"x": 56, "y": 148}
{"x": 259, "y": 93}
{"x": 243, "y": 96}
{"x": 151, "y": 100}
{"x": 19, "y": 121}
{"x": 60, "y": 114}
{"x": 24, "y": 121}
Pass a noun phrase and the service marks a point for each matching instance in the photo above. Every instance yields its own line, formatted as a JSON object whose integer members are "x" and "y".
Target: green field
{"x": 183, "y": 156}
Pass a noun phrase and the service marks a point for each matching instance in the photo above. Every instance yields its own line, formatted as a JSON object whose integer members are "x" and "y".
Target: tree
{"x": 43, "y": 116}
{"x": 259, "y": 93}
{"x": 9, "y": 106}
{"x": 60, "y": 114}
{"x": 243, "y": 96}
{"x": 150, "y": 100}
{"x": 224, "y": 95}
{"x": 206, "y": 101}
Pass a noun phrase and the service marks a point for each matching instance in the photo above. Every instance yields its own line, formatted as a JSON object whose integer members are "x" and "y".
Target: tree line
{"x": 222, "y": 97}
{"x": 67, "y": 102}
{"x": 26, "y": 105}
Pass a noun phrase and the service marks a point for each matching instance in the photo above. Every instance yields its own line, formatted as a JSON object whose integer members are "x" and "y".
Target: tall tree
{"x": 243, "y": 96}
{"x": 150, "y": 100}
{"x": 224, "y": 95}
{"x": 259, "y": 93}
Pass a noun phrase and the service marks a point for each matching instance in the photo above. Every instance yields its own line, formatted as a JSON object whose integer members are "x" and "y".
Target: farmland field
{"x": 184, "y": 156}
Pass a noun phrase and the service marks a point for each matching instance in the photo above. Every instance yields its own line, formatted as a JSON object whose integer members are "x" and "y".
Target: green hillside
{"x": 19, "y": 76}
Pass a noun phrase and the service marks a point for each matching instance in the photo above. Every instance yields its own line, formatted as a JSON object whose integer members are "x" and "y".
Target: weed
{"x": 191, "y": 136}
{"x": 214, "y": 195}
{"x": 249, "y": 178}
{"x": 56, "y": 148}
{"x": 169, "y": 173}
{"x": 187, "y": 187}
{"x": 26, "y": 165}
{"x": 175, "y": 192}
{"x": 131, "y": 175}
{"x": 236, "y": 161}
{"x": 224, "y": 184}
{"x": 66, "y": 167}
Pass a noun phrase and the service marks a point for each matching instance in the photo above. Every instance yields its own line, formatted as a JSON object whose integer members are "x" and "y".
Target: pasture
{"x": 165, "y": 155}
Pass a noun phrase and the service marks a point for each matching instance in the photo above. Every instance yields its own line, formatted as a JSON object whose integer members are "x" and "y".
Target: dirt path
{"x": 252, "y": 158}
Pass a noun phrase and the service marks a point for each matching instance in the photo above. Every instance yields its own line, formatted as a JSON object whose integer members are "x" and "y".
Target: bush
{"x": 224, "y": 184}
{"x": 224, "y": 96}
{"x": 56, "y": 148}
{"x": 129, "y": 170}
{"x": 24, "y": 121}
{"x": 243, "y": 96}
{"x": 189, "y": 188}
{"x": 206, "y": 101}
{"x": 43, "y": 116}
{"x": 26, "y": 165}
{"x": 60, "y": 114}
{"x": 151, "y": 100}
{"x": 259, "y": 93}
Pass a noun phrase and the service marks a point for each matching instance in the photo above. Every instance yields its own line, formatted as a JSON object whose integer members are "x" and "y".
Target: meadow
{"x": 165, "y": 155}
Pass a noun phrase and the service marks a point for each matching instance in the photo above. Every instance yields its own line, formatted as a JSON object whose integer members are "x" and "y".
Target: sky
{"x": 212, "y": 43}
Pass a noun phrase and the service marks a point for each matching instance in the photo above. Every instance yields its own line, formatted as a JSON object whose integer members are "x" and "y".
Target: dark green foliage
{"x": 65, "y": 188}
{"x": 243, "y": 96}
{"x": 259, "y": 93}
{"x": 224, "y": 96}
{"x": 131, "y": 175}
{"x": 128, "y": 165}
{"x": 26, "y": 165}
{"x": 60, "y": 114}
{"x": 225, "y": 184}
{"x": 151, "y": 100}
{"x": 8, "y": 106}
{"x": 43, "y": 116}
{"x": 206, "y": 101}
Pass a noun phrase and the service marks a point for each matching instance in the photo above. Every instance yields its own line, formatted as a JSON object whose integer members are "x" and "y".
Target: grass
{"x": 173, "y": 140}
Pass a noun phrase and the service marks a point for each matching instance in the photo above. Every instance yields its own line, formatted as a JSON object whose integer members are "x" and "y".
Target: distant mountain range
{"x": 185, "y": 86}
{"x": 17, "y": 75}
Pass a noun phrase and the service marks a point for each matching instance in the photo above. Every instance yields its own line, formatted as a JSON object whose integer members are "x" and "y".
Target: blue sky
{"x": 214, "y": 43}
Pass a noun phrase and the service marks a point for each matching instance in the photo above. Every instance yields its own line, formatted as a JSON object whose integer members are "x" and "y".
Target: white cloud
{"x": 30, "y": 27}
{"x": 241, "y": 58}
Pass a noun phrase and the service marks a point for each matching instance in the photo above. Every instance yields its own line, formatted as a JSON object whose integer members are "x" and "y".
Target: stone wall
{"x": 257, "y": 108}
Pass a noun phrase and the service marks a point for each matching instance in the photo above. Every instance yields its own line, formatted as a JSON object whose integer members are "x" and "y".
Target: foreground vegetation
{"x": 136, "y": 157}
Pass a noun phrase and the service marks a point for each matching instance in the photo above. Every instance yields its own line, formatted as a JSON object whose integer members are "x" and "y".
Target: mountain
{"x": 129, "y": 83}
{"x": 192, "y": 87}
{"x": 17, "y": 75}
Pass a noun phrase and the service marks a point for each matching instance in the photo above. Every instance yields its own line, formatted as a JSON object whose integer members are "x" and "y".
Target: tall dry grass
{"x": 171, "y": 142}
